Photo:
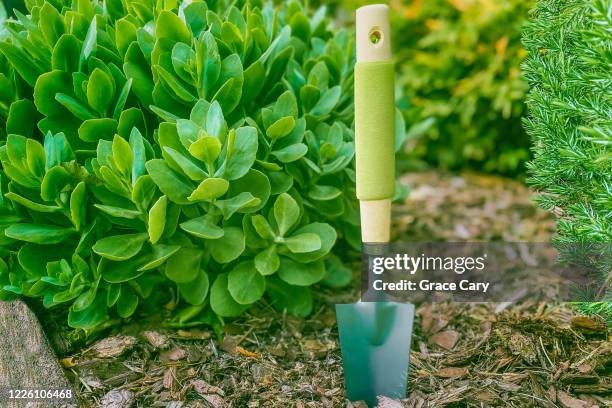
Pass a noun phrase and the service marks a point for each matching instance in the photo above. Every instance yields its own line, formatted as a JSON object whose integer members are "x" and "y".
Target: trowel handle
{"x": 374, "y": 122}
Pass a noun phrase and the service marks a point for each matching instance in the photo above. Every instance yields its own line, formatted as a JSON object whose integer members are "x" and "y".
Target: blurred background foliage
{"x": 459, "y": 81}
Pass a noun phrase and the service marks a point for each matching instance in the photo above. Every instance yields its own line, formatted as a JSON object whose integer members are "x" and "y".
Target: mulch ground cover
{"x": 463, "y": 355}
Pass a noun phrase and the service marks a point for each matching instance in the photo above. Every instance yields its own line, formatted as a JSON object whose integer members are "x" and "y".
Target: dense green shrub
{"x": 458, "y": 67}
{"x": 570, "y": 120}
{"x": 187, "y": 154}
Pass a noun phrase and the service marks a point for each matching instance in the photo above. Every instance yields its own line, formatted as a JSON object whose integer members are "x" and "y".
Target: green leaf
{"x": 175, "y": 85}
{"x": 64, "y": 51}
{"x": 252, "y": 82}
{"x": 122, "y": 271}
{"x": 337, "y": 274}
{"x": 286, "y": 105}
{"x": 123, "y": 158}
{"x": 171, "y": 184}
{"x": 21, "y": 62}
{"x": 38, "y": 233}
{"x": 127, "y": 302}
{"x": 139, "y": 154}
{"x": 230, "y": 206}
{"x": 74, "y": 106}
{"x": 136, "y": 70}
{"x": 118, "y": 112}
{"x": 302, "y": 243}
{"x": 188, "y": 132}
{"x": 206, "y": 149}
{"x": 184, "y": 265}
{"x": 35, "y": 156}
{"x": 93, "y": 130}
{"x": 215, "y": 122}
{"x": 183, "y": 61}
{"x": 118, "y": 211}
{"x": 326, "y": 233}
{"x": 34, "y": 258}
{"x": 241, "y": 152}
{"x": 296, "y": 299}
{"x": 245, "y": 284}
{"x": 90, "y": 317}
{"x": 195, "y": 292}
{"x": 170, "y": 26}
{"x": 143, "y": 192}
{"x": 195, "y": 16}
{"x": 267, "y": 261}
{"x": 21, "y": 117}
{"x": 114, "y": 182}
{"x": 291, "y": 153}
{"x": 286, "y": 213}
{"x": 112, "y": 294}
{"x": 86, "y": 298}
{"x": 327, "y": 102}
{"x": 263, "y": 228}
{"x": 222, "y": 302}
{"x": 31, "y": 204}
{"x": 324, "y": 193}
{"x": 51, "y": 23}
{"x": 254, "y": 182}
{"x": 57, "y": 150}
{"x": 209, "y": 189}
{"x": 157, "y": 219}
{"x": 19, "y": 177}
{"x": 90, "y": 43}
{"x": 203, "y": 227}
{"x": 78, "y": 203}
{"x": 300, "y": 274}
{"x": 229, "y": 247}
{"x": 300, "y": 26}
{"x": 15, "y": 151}
{"x": 319, "y": 75}
{"x": 232, "y": 77}
{"x": 125, "y": 34}
{"x": 199, "y": 112}
{"x": 187, "y": 166}
{"x": 100, "y": 90}
{"x": 160, "y": 254}
{"x": 281, "y": 127}
{"x": 120, "y": 247}
{"x": 48, "y": 85}
{"x": 208, "y": 62}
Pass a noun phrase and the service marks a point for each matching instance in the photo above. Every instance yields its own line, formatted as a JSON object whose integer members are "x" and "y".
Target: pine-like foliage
{"x": 570, "y": 119}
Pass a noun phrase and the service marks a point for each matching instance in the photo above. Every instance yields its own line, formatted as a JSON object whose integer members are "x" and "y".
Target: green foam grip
{"x": 375, "y": 129}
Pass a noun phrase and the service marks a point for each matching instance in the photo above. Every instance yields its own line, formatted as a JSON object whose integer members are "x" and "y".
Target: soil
{"x": 463, "y": 355}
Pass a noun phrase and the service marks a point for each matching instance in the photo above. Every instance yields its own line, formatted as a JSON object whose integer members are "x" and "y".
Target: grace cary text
{"x": 425, "y": 285}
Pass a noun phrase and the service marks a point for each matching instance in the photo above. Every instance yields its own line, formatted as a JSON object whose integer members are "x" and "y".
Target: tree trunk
{"x": 26, "y": 360}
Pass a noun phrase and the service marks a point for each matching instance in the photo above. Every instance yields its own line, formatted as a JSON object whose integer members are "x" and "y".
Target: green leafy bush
{"x": 188, "y": 154}
{"x": 459, "y": 66}
{"x": 570, "y": 111}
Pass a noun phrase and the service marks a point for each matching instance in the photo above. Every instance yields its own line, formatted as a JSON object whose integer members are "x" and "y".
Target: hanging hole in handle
{"x": 375, "y": 36}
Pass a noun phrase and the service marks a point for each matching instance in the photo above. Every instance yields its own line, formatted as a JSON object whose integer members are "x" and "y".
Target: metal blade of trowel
{"x": 375, "y": 337}
{"x": 375, "y": 344}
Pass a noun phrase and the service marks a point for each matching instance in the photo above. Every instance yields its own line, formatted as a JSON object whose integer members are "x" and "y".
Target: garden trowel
{"x": 375, "y": 336}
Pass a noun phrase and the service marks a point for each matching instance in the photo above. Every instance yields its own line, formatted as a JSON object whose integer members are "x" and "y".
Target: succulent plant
{"x": 197, "y": 154}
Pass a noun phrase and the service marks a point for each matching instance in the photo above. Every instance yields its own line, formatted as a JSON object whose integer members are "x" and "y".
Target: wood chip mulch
{"x": 463, "y": 355}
